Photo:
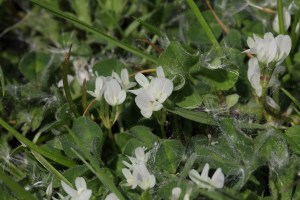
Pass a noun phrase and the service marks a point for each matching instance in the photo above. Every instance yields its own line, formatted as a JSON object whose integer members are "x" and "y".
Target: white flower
{"x": 203, "y": 181}
{"x": 254, "y": 75}
{"x": 140, "y": 176}
{"x": 286, "y": 21}
{"x": 113, "y": 93}
{"x": 99, "y": 88}
{"x": 270, "y": 49}
{"x": 124, "y": 79}
{"x": 143, "y": 81}
{"x": 147, "y": 104}
{"x": 82, "y": 193}
{"x": 144, "y": 179}
{"x": 111, "y": 196}
{"x": 176, "y": 193}
{"x": 137, "y": 173}
{"x": 272, "y": 103}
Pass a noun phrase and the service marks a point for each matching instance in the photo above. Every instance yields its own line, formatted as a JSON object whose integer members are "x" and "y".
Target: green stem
{"x": 204, "y": 24}
{"x": 91, "y": 29}
{"x": 66, "y": 83}
{"x": 15, "y": 187}
{"x": 280, "y": 16}
{"x": 57, "y": 158}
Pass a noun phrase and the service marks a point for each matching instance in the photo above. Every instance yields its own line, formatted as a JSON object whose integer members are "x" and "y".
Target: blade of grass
{"x": 203, "y": 23}
{"x": 15, "y": 187}
{"x": 50, "y": 168}
{"x": 65, "y": 66}
{"x": 291, "y": 97}
{"x": 94, "y": 165}
{"x": 91, "y": 29}
{"x": 59, "y": 159}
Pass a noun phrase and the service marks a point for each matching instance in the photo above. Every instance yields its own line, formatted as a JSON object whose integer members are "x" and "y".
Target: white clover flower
{"x": 124, "y": 79}
{"x": 82, "y": 193}
{"x": 160, "y": 72}
{"x": 270, "y": 49}
{"x": 113, "y": 93}
{"x": 203, "y": 181}
{"x": 111, "y": 196}
{"x": 254, "y": 75}
{"x": 144, "y": 179}
{"x": 99, "y": 88}
{"x": 143, "y": 81}
{"x": 286, "y": 21}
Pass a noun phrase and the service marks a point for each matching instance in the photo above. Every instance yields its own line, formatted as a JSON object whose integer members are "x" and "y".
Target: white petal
{"x": 121, "y": 97}
{"x": 254, "y": 75}
{"x": 70, "y": 191}
{"x": 218, "y": 179}
{"x": 85, "y": 195}
{"x": 195, "y": 176}
{"x": 176, "y": 193}
{"x": 250, "y": 42}
{"x": 116, "y": 76}
{"x": 139, "y": 153}
{"x": 204, "y": 173}
{"x": 80, "y": 183}
{"x": 160, "y": 72}
{"x": 146, "y": 113}
{"x": 124, "y": 77}
{"x": 142, "y": 80}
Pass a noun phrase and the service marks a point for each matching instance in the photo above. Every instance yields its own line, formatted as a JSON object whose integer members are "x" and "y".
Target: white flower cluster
{"x": 203, "y": 181}
{"x": 113, "y": 88}
{"x": 136, "y": 173}
{"x": 149, "y": 97}
{"x": 269, "y": 51}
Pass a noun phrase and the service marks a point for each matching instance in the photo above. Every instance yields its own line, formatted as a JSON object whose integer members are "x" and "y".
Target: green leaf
{"x": 218, "y": 79}
{"x": 144, "y": 135}
{"x": 292, "y": 135}
{"x": 169, "y": 155}
{"x": 87, "y": 131}
{"x": 187, "y": 97}
{"x": 105, "y": 67}
{"x": 176, "y": 61}
{"x": 82, "y": 9}
{"x": 122, "y": 139}
{"x": 32, "y": 65}
{"x": 233, "y": 39}
{"x": 131, "y": 145}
